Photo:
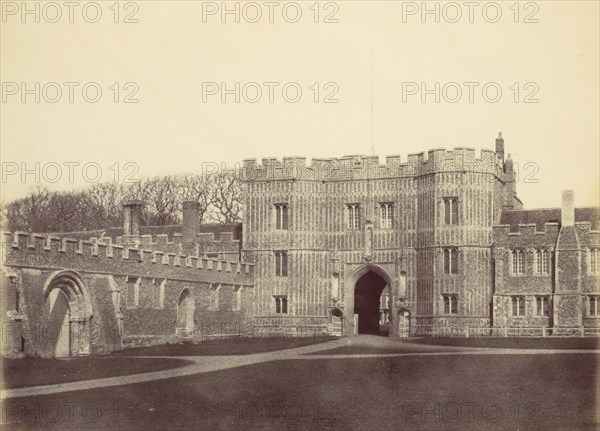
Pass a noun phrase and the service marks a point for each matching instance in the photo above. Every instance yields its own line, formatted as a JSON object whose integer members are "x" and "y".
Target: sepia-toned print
{"x": 299, "y": 215}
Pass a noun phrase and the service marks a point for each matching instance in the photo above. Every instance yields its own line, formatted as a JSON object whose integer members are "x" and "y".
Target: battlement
{"x": 21, "y": 248}
{"x": 222, "y": 241}
{"x": 365, "y": 166}
{"x": 160, "y": 242}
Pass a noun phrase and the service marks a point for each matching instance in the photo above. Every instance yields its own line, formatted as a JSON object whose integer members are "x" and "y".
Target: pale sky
{"x": 171, "y": 52}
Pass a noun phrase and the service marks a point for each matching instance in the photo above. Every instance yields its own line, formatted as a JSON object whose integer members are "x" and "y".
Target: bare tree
{"x": 164, "y": 200}
{"x": 3, "y": 215}
{"x": 106, "y": 201}
{"x": 226, "y": 196}
{"x": 68, "y": 211}
{"x": 29, "y": 213}
{"x": 100, "y": 206}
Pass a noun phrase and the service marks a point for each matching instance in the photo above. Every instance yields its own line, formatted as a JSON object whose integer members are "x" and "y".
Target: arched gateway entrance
{"x": 368, "y": 304}
{"x": 69, "y": 314}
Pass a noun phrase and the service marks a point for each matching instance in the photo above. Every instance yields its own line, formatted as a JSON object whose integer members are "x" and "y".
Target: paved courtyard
{"x": 357, "y": 383}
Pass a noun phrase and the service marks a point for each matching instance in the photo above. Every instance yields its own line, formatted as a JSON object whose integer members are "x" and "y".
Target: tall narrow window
{"x": 158, "y": 296}
{"x": 593, "y": 306}
{"x": 237, "y": 298}
{"x": 281, "y": 263}
{"x": 540, "y": 264}
{"x": 214, "y": 297}
{"x": 451, "y": 210}
{"x": 281, "y": 216}
{"x": 387, "y": 215}
{"x": 450, "y": 303}
{"x": 450, "y": 261}
{"x": 594, "y": 260}
{"x": 542, "y": 304}
{"x": 518, "y": 305}
{"x": 133, "y": 292}
{"x": 518, "y": 258}
{"x": 353, "y": 211}
{"x": 281, "y": 304}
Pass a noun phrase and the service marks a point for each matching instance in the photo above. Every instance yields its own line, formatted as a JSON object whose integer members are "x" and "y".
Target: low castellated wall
{"x": 220, "y": 245}
{"x": 114, "y": 296}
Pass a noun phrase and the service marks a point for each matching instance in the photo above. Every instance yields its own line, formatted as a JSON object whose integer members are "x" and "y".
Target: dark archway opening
{"x": 367, "y": 303}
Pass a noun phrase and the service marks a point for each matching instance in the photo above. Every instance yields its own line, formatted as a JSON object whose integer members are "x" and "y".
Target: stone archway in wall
{"x": 403, "y": 322}
{"x": 336, "y": 320}
{"x": 69, "y": 311}
{"x": 185, "y": 314}
{"x": 368, "y": 283}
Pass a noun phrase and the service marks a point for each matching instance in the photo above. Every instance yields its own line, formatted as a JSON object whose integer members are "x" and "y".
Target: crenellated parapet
{"x": 46, "y": 251}
{"x": 161, "y": 242}
{"x": 460, "y": 159}
{"x": 364, "y": 166}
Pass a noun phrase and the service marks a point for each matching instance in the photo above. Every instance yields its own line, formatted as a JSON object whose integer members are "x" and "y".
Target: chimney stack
{"x": 500, "y": 146}
{"x": 568, "y": 208}
{"x": 191, "y": 220}
{"x": 132, "y": 213}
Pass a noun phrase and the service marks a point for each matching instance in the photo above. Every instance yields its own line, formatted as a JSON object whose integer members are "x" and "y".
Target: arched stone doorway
{"x": 367, "y": 302}
{"x": 69, "y": 313}
{"x": 185, "y": 314}
{"x": 403, "y": 322}
{"x": 337, "y": 322}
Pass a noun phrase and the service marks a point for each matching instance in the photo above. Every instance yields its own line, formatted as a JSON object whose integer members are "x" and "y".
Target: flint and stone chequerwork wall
{"x": 326, "y": 258}
{"x": 111, "y": 295}
{"x": 439, "y": 231}
{"x": 560, "y": 299}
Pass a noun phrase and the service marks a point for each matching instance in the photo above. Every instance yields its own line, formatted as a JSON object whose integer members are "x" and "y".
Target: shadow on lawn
{"x": 224, "y": 346}
{"x": 25, "y": 372}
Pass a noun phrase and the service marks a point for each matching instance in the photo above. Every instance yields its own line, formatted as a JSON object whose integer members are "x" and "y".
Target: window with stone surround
{"x": 451, "y": 260}
{"x": 237, "y": 298}
{"x": 593, "y": 308}
{"x": 213, "y": 298}
{"x": 281, "y": 304}
{"x": 281, "y": 216}
{"x": 450, "y": 303}
{"x": 540, "y": 261}
{"x": 517, "y": 261}
{"x": 594, "y": 260}
{"x": 387, "y": 215}
{"x": 518, "y": 306}
{"x": 281, "y": 263}
{"x": 158, "y": 294}
{"x": 450, "y": 210}
{"x": 133, "y": 291}
{"x": 353, "y": 212}
{"x": 542, "y": 306}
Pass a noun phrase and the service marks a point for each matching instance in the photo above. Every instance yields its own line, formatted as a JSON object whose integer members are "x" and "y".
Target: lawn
{"x": 19, "y": 373}
{"x": 575, "y": 343}
{"x": 470, "y": 392}
{"x": 225, "y": 346}
{"x": 415, "y": 345}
